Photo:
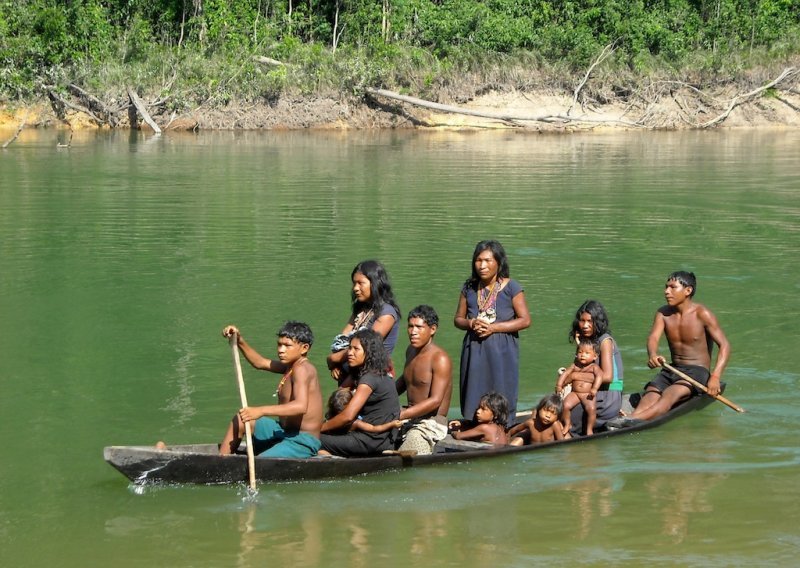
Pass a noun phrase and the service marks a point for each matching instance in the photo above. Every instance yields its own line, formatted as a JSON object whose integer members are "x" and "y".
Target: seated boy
{"x": 299, "y": 408}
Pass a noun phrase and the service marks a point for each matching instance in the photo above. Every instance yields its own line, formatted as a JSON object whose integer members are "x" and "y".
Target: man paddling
{"x": 428, "y": 382}
{"x": 299, "y": 404}
{"x": 691, "y": 330}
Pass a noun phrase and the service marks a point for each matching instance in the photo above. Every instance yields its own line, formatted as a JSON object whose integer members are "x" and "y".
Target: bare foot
{"x": 161, "y": 445}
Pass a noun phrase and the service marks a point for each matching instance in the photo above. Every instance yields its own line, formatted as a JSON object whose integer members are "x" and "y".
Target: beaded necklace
{"x": 283, "y": 381}
{"x": 487, "y": 299}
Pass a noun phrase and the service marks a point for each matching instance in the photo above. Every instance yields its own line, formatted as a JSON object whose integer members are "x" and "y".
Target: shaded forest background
{"x": 185, "y": 53}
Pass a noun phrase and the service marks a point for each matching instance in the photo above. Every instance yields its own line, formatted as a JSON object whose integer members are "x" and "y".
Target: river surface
{"x": 122, "y": 257}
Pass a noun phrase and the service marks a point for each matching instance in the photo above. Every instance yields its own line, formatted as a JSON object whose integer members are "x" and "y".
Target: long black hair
{"x": 376, "y": 359}
{"x": 498, "y": 404}
{"x": 380, "y": 288}
{"x": 599, "y": 320}
{"x": 500, "y": 257}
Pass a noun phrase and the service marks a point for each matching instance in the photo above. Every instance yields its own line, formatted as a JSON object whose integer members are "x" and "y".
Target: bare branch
{"x": 16, "y": 134}
{"x": 607, "y": 51}
{"x": 746, "y": 97}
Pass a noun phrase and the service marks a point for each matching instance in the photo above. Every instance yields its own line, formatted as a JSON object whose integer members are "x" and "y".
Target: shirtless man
{"x": 427, "y": 380}
{"x": 691, "y": 330}
{"x": 299, "y": 408}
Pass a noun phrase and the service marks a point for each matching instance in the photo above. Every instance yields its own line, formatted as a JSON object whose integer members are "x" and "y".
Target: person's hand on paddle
{"x": 713, "y": 384}
{"x": 230, "y": 330}
{"x": 249, "y": 413}
{"x": 655, "y": 361}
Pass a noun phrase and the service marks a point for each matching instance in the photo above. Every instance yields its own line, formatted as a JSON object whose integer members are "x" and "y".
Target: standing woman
{"x": 591, "y": 322}
{"x": 375, "y": 401}
{"x": 374, "y": 307}
{"x": 492, "y": 309}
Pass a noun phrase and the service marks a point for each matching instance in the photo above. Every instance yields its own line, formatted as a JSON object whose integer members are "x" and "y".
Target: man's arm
{"x": 253, "y": 357}
{"x": 653, "y": 358}
{"x": 441, "y": 368}
{"x": 298, "y": 406}
{"x": 715, "y": 332}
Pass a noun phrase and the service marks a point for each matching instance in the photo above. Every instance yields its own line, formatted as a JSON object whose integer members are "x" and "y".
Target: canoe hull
{"x": 201, "y": 463}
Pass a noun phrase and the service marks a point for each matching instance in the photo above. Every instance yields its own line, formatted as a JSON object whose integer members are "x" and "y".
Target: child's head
{"x": 586, "y": 352}
{"x": 493, "y": 407}
{"x": 297, "y": 331}
{"x": 294, "y": 341}
{"x": 337, "y": 401}
{"x": 685, "y": 279}
{"x": 549, "y": 408}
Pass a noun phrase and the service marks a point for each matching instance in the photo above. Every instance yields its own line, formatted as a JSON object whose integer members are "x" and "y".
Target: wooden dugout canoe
{"x": 201, "y": 463}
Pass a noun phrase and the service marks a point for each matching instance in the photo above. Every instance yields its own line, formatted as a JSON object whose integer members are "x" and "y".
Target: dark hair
{"x": 499, "y": 254}
{"x": 380, "y": 288}
{"x": 586, "y": 342}
{"x": 685, "y": 279}
{"x": 553, "y": 401}
{"x": 297, "y": 331}
{"x": 599, "y": 319}
{"x": 426, "y": 314}
{"x": 337, "y": 401}
{"x": 498, "y": 404}
{"x": 376, "y": 359}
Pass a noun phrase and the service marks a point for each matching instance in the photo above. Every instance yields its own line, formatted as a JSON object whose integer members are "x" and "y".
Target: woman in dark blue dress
{"x": 492, "y": 309}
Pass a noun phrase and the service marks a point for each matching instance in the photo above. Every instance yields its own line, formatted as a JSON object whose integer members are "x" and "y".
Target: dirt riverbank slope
{"x": 764, "y": 102}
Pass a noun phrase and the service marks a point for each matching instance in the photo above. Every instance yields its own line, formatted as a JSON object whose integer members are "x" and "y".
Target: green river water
{"x": 122, "y": 257}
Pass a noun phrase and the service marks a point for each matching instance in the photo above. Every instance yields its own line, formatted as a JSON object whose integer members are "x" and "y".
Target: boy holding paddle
{"x": 691, "y": 330}
{"x": 299, "y": 406}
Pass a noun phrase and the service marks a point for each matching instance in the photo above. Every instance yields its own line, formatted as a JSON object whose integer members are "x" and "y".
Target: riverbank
{"x": 672, "y": 105}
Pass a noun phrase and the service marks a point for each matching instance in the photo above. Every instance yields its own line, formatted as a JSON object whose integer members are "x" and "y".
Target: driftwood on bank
{"x": 510, "y": 118}
{"x": 60, "y": 104}
{"x": 607, "y": 51}
{"x": 16, "y": 134}
{"x": 788, "y": 73}
{"x": 101, "y": 110}
{"x": 138, "y": 105}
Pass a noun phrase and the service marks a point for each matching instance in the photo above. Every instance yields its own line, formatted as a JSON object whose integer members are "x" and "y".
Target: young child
{"x": 490, "y": 417}
{"x": 691, "y": 330}
{"x": 543, "y": 425}
{"x": 336, "y": 404}
{"x": 586, "y": 377}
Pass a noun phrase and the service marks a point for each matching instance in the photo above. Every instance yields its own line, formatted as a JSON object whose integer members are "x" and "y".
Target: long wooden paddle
{"x": 701, "y": 386}
{"x": 251, "y": 457}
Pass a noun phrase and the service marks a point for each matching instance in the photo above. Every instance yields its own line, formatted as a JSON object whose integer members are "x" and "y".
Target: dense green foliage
{"x": 349, "y": 43}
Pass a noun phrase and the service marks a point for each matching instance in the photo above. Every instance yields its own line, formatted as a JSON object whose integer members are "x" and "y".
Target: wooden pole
{"x": 701, "y": 386}
{"x": 251, "y": 458}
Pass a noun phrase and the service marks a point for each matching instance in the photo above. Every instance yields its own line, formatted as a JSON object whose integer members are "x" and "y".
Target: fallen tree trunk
{"x": 140, "y": 106}
{"x": 789, "y": 72}
{"x": 16, "y": 134}
{"x": 547, "y": 118}
{"x": 94, "y": 104}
